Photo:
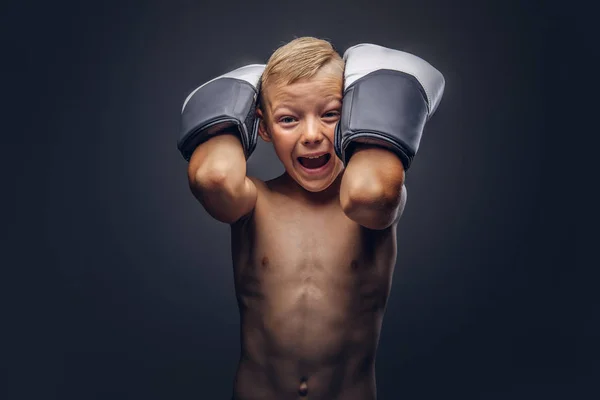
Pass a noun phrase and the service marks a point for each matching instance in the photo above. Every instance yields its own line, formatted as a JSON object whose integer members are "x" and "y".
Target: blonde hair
{"x": 299, "y": 59}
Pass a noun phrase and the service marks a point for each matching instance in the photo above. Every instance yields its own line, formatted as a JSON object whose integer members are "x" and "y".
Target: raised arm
{"x": 372, "y": 192}
{"x": 388, "y": 97}
{"x": 217, "y": 178}
{"x": 218, "y": 134}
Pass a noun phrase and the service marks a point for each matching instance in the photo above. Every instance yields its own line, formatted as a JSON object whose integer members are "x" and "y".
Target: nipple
{"x": 303, "y": 389}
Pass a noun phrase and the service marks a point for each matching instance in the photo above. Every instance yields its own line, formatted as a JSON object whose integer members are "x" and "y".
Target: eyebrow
{"x": 282, "y": 105}
{"x": 332, "y": 97}
{"x": 326, "y": 100}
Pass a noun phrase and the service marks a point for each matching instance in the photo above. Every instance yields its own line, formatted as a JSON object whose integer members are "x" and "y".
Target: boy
{"x": 314, "y": 249}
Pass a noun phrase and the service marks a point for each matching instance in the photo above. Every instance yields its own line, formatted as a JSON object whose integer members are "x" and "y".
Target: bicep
{"x": 228, "y": 204}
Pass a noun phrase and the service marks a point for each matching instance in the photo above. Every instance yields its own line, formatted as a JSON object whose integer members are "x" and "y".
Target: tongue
{"x": 313, "y": 163}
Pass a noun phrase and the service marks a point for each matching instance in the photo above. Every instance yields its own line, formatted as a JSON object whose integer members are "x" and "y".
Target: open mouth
{"x": 314, "y": 162}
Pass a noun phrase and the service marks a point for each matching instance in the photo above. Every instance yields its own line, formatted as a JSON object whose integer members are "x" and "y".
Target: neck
{"x": 293, "y": 189}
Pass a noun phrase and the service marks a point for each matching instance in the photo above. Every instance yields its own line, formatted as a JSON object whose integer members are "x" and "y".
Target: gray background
{"x": 119, "y": 286}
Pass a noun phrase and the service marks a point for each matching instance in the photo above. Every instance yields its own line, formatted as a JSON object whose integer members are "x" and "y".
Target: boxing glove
{"x": 388, "y": 97}
{"x": 226, "y": 102}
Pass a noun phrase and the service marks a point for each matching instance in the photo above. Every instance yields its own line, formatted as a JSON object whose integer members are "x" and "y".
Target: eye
{"x": 287, "y": 120}
{"x": 332, "y": 114}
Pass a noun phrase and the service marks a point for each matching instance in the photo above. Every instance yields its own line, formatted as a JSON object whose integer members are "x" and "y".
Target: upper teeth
{"x": 313, "y": 156}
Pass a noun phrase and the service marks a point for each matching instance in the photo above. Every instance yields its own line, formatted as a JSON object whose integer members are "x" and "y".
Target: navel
{"x": 303, "y": 389}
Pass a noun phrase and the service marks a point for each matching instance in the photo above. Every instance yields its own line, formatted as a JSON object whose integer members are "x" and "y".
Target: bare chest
{"x": 306, "y": 237}
{"x": 290, "y": 240}
{"x": 300, "y": 268}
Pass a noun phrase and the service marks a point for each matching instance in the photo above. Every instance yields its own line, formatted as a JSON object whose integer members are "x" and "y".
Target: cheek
{"x": 329, "y": 131}
{"x": 284, "y": 141}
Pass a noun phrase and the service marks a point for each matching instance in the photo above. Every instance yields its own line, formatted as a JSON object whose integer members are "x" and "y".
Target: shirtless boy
{"x": 314, "y": 249}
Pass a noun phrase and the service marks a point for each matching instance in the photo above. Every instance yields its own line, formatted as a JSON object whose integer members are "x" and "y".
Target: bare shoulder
{"x": 262, "y": 192}
{"x": 261, "y": 186}
{"x": 272, "y": 200}
{"x": 267, "y": 191}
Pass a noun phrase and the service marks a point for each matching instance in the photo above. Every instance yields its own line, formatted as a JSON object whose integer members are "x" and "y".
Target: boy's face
{"x": 300, "y": 119}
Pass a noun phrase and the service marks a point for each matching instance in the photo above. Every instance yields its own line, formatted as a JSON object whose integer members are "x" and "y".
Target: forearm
{"x": 217, "y": 163}
{"x": 371, "y": 192}
{"x": 217, "y": 178}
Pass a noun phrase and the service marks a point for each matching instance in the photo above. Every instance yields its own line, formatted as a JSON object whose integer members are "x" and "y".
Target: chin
{"x": 317, "y": 182}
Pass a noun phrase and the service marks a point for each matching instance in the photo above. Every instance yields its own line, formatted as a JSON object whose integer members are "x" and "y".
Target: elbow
{"x": 209, "y": 178}
{"x": 372, "y": 205}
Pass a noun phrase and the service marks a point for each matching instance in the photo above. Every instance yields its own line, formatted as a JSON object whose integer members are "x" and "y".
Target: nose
{"x": 313, "y": 132}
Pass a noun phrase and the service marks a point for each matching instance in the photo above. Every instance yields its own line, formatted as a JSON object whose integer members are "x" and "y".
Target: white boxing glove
{"x": 388, "y": 97}
{"x": 228, "y": 101}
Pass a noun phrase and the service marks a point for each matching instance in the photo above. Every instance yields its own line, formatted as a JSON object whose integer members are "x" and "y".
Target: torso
{"x": 312, "y": 286}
